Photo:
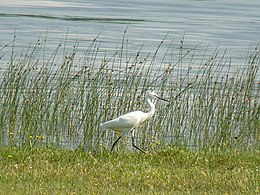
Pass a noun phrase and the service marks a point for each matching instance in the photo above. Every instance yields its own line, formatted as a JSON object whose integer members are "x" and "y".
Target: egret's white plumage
{"x": 128, "y": 122}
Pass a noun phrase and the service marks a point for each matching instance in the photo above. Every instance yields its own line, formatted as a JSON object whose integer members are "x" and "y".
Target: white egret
{"x": 128, "y": 122}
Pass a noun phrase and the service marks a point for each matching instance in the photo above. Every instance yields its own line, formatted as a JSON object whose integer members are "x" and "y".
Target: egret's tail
{"x": 103, "y": 126}
{"x": 107, "y": 125}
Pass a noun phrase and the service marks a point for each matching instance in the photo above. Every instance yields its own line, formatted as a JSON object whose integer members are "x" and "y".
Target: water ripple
{"x": 75, "y": 18}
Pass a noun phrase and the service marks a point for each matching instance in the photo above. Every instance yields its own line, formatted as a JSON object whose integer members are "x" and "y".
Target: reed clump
{"x": 59, "y": 98}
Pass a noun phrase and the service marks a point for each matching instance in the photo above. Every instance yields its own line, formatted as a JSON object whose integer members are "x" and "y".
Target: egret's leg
{"x": 133, "y": 143}
{"x": 115, "y": 143}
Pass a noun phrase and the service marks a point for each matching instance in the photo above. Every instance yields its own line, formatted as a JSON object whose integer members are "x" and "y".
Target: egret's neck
{"x": 151, "y": 112}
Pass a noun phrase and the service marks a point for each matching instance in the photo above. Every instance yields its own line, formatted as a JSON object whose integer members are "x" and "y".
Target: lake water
{"x": 228, "y": 24}
{"x": 233, "y": 25}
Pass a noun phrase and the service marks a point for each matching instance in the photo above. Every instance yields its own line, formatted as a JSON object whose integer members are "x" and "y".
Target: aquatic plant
{"x": 60, "y": 98}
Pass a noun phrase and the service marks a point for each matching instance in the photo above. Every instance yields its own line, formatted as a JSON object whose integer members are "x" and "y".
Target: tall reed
{"x": 60, "y": 98}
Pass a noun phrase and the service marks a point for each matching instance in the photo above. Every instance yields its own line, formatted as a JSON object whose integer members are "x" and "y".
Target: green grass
{"x": 169, "y": 171}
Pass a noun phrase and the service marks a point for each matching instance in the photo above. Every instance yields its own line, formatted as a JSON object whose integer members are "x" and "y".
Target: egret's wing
{"x": 125, "y": 122}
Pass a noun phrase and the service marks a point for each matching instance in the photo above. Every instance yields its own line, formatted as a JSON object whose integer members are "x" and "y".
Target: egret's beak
{"x": 160, "y": 98}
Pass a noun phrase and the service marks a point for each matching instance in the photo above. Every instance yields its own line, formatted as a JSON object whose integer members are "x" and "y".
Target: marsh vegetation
{"x": 53, "y": 101}
{"x": 60, "y": 97}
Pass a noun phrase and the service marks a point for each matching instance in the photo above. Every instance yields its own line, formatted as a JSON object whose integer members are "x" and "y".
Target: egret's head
{"x": 151, "y": 94}
{"x": 154, "y": 96}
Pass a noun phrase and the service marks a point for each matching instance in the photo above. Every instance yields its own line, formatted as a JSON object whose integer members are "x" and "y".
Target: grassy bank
{"x": 54, "y": 100}
{"x": 169, "y": 171}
